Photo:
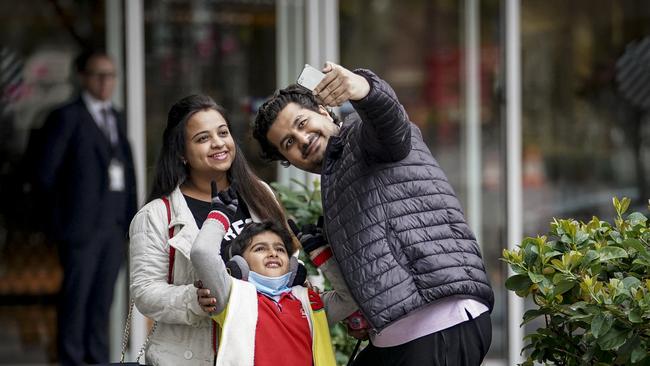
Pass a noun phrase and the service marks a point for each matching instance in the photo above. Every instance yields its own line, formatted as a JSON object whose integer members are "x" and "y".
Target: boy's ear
{"x": 238, "y": 268}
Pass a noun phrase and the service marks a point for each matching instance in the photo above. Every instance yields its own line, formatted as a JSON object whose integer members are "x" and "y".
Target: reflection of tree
{"x": 619, "y": 104}
{"x": 633, "y": 84}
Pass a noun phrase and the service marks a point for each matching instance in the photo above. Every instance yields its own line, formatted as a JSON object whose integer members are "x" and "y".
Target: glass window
{"x": 585, "y": 133}
{"x": 585, "y": 137}
{"x": 38, "y": 41}
{"x": 225, "y": 49}
{"x": 419, "y": 49}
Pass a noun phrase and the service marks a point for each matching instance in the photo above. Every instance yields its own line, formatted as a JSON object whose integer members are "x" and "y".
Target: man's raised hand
{"x": 340, "y": 85}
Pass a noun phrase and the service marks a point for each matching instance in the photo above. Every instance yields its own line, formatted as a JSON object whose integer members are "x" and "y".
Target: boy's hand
{"x": 223, "y": 205}
{"x": 207, "y": 302}
{"x": 340, "y": 85}
{"x": 311, "y": 236}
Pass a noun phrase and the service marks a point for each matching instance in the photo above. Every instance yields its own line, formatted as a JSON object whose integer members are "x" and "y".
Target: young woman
{"x": 197, "y": 149}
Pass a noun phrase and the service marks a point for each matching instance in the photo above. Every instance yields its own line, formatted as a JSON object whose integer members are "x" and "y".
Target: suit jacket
{"x": 73, "y": 172}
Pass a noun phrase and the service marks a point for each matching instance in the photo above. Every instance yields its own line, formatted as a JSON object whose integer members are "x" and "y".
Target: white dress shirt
{"x": 95, "y": 107}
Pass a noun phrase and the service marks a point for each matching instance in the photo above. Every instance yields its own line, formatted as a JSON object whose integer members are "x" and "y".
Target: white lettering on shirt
{"x": 236, "y": 228}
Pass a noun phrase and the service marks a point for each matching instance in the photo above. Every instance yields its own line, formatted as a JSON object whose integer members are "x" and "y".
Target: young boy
{"x": 263, "y": 320}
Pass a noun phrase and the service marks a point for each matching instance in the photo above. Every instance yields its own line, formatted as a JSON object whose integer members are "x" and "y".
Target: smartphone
{"x": 310, "y": 77}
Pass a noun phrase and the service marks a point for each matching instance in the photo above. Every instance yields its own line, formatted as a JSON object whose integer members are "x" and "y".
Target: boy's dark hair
{"x": 269, "y": 111}
{"x": 245, "y": 239}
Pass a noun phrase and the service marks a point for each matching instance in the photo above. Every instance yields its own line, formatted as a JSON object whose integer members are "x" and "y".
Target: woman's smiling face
{"x": 209, "y": 146}
{"x": 267, "y": 255}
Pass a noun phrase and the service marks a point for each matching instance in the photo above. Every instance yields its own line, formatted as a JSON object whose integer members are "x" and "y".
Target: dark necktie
{"x": 105, "y": 124}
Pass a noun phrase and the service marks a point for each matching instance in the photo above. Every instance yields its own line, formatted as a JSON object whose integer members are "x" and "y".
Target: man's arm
{"x": 385, "y": 130}
{"x": 339, "y": 303}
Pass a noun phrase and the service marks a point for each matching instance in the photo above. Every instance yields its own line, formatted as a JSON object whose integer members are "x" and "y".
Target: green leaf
{"x": 551, "y": 254}
{"x": 625, "y": 350}
{"x": 617, "y": 204}
{"x": 611, "y": 252}
{"x": 639, "y": 353}
{"x": 636, "y": 245}
{"x": 637, "y": 218}
{"x": 616, "y": 236}
{"x": 631, "y": 282}
{"x": 566, "y": 239}
{"x": 581, "y": 237}
{"x": 625, "y": 204}
{"x": 546, "y": 289}
{"x": 558, "y": 264}
{"x": 563, "y": 287}
{"x": 591, "y": 256}
{"x": 622, "y": 205}
{"x": 559, "y": 277}
{"x": 635, "y": 316}
{"x": 613, "y": 339}
{"x": 643, "y": 262}
{"x": 530, "y": 255}
{"x": 601, "y": 324}
{"x": 518, "y": 283}
{"x": 579, "y": 306}
{"x": 536, "y": 277}
{"x": 532, "y": 314}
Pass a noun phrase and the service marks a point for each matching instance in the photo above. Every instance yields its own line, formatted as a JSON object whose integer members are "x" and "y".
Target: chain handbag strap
{"x": 129, "y": 316}
{"x": 125, "y": 336}
{"x": 127, "y": 328}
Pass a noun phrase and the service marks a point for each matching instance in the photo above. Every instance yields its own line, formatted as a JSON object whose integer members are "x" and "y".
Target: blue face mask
{"x": 270, "y": 286}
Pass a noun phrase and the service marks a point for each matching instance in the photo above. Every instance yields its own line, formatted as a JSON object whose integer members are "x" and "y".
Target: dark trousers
{"x": 463, "y": 344}
{"x": 89, "y": 273}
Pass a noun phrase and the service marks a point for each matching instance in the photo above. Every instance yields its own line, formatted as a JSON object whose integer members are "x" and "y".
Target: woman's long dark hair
{"x": 171, "y": 172}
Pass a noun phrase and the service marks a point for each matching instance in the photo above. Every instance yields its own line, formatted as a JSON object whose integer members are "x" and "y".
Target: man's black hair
{"x": 268, "y": 112}
{"x": 81, "y": 61}
{"x": 245, "y": 238}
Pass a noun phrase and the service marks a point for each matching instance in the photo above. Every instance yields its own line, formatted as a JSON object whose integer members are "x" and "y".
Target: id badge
{"x": 116, "y": 176}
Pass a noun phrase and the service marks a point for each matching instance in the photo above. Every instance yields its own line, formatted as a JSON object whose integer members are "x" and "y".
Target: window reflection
{"x": 583, "y": 138}
{"x": 38, "y": 41}
{"x": 225, "y": 49}
{"x": 419, "y": 50}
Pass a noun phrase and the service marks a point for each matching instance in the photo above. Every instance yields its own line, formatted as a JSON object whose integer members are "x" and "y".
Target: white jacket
{"x": 184, "y": 332}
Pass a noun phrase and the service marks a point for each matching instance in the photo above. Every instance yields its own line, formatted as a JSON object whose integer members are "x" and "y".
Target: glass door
{"x": 38, "y": 41}
{"x": 225, "y": 49}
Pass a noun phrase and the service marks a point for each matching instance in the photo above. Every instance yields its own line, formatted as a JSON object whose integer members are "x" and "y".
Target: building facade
{"x": 527, "y": 105}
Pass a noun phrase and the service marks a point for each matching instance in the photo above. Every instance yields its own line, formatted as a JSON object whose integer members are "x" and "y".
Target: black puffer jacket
{"x": 392, "y": 219}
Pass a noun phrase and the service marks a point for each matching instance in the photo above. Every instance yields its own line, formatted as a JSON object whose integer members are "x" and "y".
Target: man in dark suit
{"x": 86, "y": 171}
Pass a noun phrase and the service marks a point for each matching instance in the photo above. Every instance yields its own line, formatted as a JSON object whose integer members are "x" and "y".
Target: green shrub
{"x": 591, "y": 285}
{"x": 304, "y": 205}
